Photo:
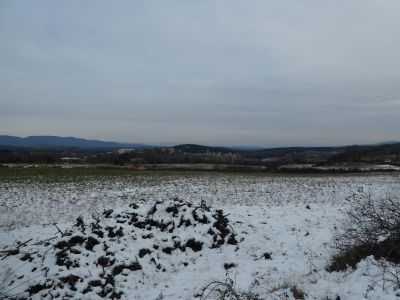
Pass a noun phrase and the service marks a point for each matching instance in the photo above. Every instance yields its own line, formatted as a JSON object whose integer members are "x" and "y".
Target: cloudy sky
{"x": 267, "y": 73}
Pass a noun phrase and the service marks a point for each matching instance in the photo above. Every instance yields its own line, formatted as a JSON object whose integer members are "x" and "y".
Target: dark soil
{"x": 228, "y": 266}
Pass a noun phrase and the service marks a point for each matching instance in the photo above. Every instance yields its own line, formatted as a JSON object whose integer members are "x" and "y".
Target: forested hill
{"x": 61, "y": 142}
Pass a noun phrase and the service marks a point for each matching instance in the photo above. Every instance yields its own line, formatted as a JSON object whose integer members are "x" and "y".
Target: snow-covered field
{"x": 282, "y": 226}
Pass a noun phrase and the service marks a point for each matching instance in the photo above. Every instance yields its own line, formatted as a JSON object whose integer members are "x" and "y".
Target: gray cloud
{"x": 216, "y": 72}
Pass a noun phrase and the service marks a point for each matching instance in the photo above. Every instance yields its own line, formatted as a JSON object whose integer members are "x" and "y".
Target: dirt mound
{"x": 99, "y": 255}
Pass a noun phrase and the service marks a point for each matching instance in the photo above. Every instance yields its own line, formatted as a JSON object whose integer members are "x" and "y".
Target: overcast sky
{"x": 267, "y": 73}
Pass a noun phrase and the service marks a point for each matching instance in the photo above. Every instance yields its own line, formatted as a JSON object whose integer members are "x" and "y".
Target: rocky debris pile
{"x": 99, "y": 256}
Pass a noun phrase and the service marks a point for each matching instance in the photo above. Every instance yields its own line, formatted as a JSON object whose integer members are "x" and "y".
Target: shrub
{"x": 371, "y": 227}
{"x": 226, "y": 290}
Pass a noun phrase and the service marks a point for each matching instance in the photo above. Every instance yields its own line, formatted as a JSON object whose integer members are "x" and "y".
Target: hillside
{"x": 193, "y": 148}
{"x": 61, "y": 142}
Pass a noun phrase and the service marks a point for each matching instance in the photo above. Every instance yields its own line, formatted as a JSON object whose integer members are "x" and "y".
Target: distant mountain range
{"x": 385, "y": 143}
{"x": 57, "y": 142}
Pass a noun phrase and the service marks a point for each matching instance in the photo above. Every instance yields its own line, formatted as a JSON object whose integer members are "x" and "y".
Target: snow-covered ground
{"x": 283, "y": 226}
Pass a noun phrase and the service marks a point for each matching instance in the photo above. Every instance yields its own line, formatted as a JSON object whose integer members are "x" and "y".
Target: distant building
{"x": 125, "y": 150}
{"x": 70, "y": 159}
